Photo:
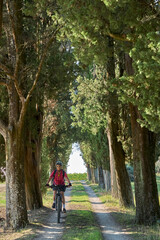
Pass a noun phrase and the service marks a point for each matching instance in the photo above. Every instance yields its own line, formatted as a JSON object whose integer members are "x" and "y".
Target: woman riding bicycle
{"x": 58, "y": 176}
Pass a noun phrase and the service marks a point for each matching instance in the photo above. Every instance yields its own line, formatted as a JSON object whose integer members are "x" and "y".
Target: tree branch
{"x": 13, "y": 26}
{"x": 26, "y": 100}
{"x": 3, "y": 129}
{"x": 19, "y": 91}
{"x": 19, "y": 49}
{"x": 3, "y": 82}
{"x": 6, "y": 71}
{"x": 41, "y": 63}
{"x": 119, "y": 37}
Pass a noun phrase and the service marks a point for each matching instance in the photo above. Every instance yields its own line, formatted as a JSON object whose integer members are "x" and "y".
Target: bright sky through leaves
{"x": 76, "y": 163}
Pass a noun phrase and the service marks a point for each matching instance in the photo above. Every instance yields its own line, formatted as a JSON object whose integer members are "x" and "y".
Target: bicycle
{"x": 58, "y": 200}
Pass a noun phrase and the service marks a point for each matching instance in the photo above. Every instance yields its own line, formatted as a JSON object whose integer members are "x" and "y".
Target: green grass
{"x": 158, "y": 184}
{"x": 48, "y": 198}
{"x": 126, "y": 217}
{"x": 80, "y": 222}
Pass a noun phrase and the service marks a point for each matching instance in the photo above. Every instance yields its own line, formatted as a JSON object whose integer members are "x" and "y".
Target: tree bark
{"x": 16, "y": 212}
{"x": 89, "y": 172}
{"x": 114, "y": 186}
{"x": 32, "y": 161}
{"x": 96, "y": 175}
{"x": 107, "y": 180}
{"x": 1, "y": 16}
{"x": 123, "y": 181}
{"x": 93, "y": 175}
{"x": 146, "y": 193}
{"x": 101, "y": 178}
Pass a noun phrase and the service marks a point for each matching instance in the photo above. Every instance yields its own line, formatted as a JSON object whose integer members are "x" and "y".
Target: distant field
{"x": 77, "y": 176}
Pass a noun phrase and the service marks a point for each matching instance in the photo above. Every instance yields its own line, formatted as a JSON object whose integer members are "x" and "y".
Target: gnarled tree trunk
{"x": 16, "y": 212}
{"x": 146, "y": 194}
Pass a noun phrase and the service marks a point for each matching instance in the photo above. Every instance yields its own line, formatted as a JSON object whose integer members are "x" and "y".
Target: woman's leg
{"x": 54, "y": 195}
{"x": 63, "y": 198}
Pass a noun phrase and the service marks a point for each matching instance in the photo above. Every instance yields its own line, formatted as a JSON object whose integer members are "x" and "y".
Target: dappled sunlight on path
{"x": 50, "y": 229}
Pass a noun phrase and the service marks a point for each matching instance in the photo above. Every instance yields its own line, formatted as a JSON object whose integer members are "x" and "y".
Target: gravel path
{"x": 110, "y": 229}
{"x": 51, "y": 229}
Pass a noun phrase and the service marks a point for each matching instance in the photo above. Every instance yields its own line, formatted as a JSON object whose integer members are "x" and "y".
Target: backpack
{"x": 55, "y": 174}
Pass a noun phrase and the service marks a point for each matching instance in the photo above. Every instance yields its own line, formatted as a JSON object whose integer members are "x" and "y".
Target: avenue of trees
{"x": 80, "y": 71}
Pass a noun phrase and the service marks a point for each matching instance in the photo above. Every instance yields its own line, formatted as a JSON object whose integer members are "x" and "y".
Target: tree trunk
{"x": 107, "y": 180}
{"x": 123, "y": 181}
{"x": 101, "y": 178}
{"x": 96, "y": 175}
{"x": 32, "y": 173}
{"x": 16, "y": 212}
{"x": 89, "y": 172}
{"x": 93, "y": 175}
{"x": 146, "y": 193}
{"x": 33, "y": 157}
{"x": 114, "y": 186}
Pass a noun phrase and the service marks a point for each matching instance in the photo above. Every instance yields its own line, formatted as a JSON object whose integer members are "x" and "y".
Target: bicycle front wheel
{"x": 58, "y": 209}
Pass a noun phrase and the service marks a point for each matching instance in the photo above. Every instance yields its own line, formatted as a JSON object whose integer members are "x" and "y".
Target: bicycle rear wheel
{"x": 58, "y": 209}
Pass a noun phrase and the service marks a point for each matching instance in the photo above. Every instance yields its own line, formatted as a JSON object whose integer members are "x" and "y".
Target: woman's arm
{"x": 66, "y": 177}
{"x": 49, "y": 179}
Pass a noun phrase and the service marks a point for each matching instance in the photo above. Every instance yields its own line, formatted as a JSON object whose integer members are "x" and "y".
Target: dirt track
{"x": 110, "y": 229}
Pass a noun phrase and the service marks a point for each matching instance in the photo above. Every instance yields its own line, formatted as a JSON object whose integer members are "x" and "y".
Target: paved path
{"x": 51, "y": 229}
{"x": 110, "y": 229}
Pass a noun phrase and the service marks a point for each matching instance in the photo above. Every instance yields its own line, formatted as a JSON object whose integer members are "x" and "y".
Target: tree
{"x": 19, "y": 94}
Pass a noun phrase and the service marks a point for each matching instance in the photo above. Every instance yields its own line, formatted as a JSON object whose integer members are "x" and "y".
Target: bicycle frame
{"x": 58, "y": 200}
{"x": 58, "y": 195}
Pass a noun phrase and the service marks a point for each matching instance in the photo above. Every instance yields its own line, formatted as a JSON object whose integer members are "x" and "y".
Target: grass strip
{"x": 126, "y": 217}
{"x": 80, "y": 221}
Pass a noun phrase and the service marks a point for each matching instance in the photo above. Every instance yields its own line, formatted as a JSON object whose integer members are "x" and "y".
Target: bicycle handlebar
{"x": 52, "y": 186}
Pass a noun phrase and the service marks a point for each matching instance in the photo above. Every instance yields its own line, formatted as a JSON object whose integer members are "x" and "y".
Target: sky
{"x": 76, "y": 163}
